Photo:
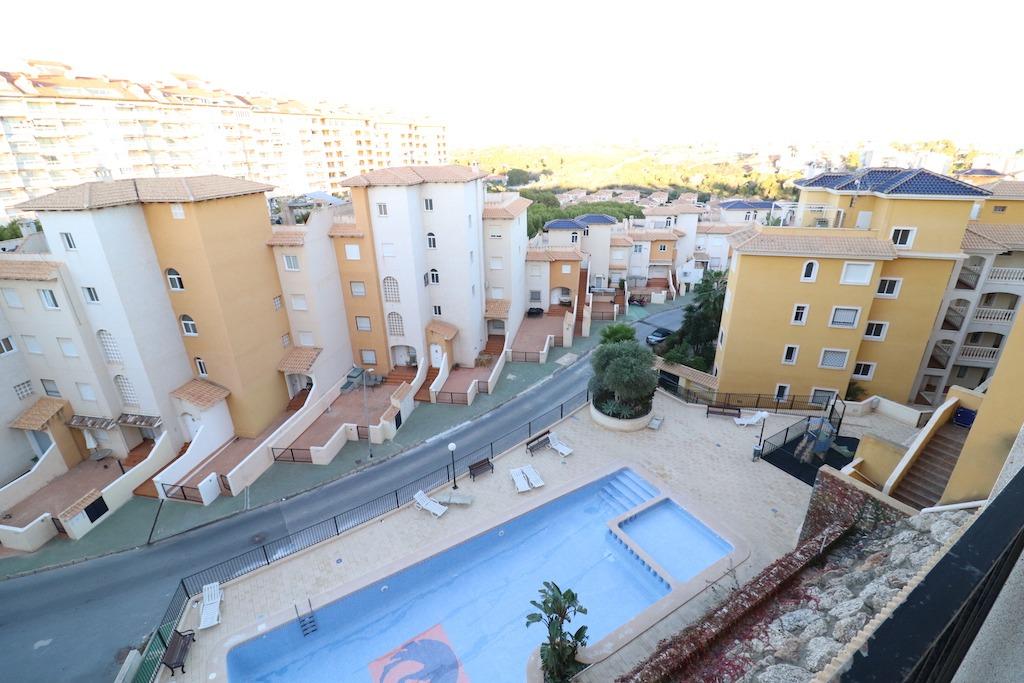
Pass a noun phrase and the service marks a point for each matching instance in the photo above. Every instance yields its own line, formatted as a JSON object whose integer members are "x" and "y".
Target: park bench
{"x": 542, "y": 441}
{"x": 722, "y": 409}
{"x": 177, "y": 650}
{"x": 479, "y": 467}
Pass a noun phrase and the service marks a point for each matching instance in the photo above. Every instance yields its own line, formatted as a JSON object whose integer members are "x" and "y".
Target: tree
{"x": 517, "y": 177}
{"x": 624, "y": 379}
{"x": 10, "y": 231}
{"x": 557, "y": 608}
{"x": 694, "y": 344}
{"x": 617, "y": 332}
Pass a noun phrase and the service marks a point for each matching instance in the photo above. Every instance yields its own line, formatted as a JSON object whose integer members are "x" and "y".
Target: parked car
{"x": 658, "y": 336}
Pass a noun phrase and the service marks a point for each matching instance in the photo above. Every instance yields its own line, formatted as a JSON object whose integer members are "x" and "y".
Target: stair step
{"x": 643, "y": 496}
{"x": 938, "y": 477}
{"x": 625, "y": 493}
{"x": 927, "y": 494}
{"x": 640, "y": 483}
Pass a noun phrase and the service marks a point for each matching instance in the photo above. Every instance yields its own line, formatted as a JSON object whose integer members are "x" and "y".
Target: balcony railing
{"x": 1007, "y": 275}
{"x": 797, "y": 215}
{"x": 978, "y": 353}
{"x": 954, "y": 318}
{"x": 940, "y": 356}
{"x": 994, "y": 315}
{"x": 968, "y": 278}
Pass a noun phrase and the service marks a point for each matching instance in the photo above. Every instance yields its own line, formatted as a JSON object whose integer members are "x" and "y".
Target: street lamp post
{"x": 366, "y": 412}
{"x": 451, "y": 449}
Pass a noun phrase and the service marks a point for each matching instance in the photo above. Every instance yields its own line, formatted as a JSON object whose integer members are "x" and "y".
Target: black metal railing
{"x": 776, "y": 441}
{"x": 460, "y": 398}
{"x": 602, "y": 315}
{"x": 292, "y": 454}
{"x": 268, "y": 553}
{"x": 768, "y": 402}
{"x": 182, "y": 492}
{"x": 483, "y": 386}
{"x": 525, "y": 356}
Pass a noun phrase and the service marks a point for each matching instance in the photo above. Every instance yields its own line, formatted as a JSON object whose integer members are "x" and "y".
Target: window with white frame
{"x": 496, "y": 263}
{"x": 396, "y": 327}
{"x": 834, "y": 359}
{"x": 390, "y": 289}
{"x": 91, "y": 295}
{"x": 86, "y": 391}
{"x": 23, "y": 389}
{"x": 822, "y": 397}
{"x": 857, "y": 273}
{"x": 306, "y": 338}
{"x": 299, "y": 302}
{"x": 31, "y": 344}
{"x": 437, "y": 310}
{"x": 662, "y": 247}
{"x": 67, "y": 347}
{"x": 382, "y": 209}
{"x": 435, "y": 277}
{"x": 876, "y": 330}
{"x": 286, "y": 340}
{"x": 7, "y": 346}
{"x": 363, "y": 323}
{"x": 431, "y": 241}
{"x": 48, "y": 298}
{"x": 177, "y": 212}
{"x": 638, "y": 248}
{"x": 291, "y": 262}
{"x": 351, "y": 252}
{"x": 201, "y": 367}
{"x": 126, "y": 390}
{"x": 790, "y": 353}
{"x": 781, "y": 391}
{"x": 863, "y": 370}
{"x": 357, "y": 288}
{"x": 903, "y": 238}
{"x": 809, "y": 273}
{"x": 721, "y": 337}
{"x": 566, "y": 268}
{"x": 68, "y": 240}
{"x": 188, "y": 326}
{"x": 999, "y": 208}
{"x": 428, "y": 204}
{"x": 889, "y": 287}
{"x": 800, "y": 314}
{"x": 12, "y": 298}
{"x": 535, "y": 296}
{"x": 111, "y": 351}
{"x": 174, "y": 280}
{"x": 368, "y": 356}
{"x": 617, "y": 255}
{"x": 277, "y": 302}
{"x": 844, "y": 316}
{"x": 50, "y": 387}
{"x": 574, "y": 237}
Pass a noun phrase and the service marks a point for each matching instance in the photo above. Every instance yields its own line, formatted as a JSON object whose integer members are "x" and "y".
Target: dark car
{"x": 658, "y": 336}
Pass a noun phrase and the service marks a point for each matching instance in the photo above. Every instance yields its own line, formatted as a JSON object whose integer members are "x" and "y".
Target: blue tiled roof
{"x": 745, "y": 205}
{"x": 564, "y": 224}
{"x": 894, "y": 181}
{"x": 596, "y": 219}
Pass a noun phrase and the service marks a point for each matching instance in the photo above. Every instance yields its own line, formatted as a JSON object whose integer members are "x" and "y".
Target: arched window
{"x": 810, "y": 271}
{"x": 396, "y": 328}
{"x": 390, "y": 289}
{"x": 434, "y": 277}
{"x": 201, "y": 366}
{"x": 126, "y": 390}
{"x": 431, "y": 241}
{"x": 575, "y": 237}
{"x": 188, "y": 326}
{"x": 109, "y": 345}
{"x": 174, "y": 280}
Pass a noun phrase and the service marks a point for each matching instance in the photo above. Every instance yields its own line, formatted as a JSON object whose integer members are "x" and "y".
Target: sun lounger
{"x": 425, "y": 502}
{"x": 532, "y": 476}
{"x": 750, "y": 420}
{"x": 522, "y": 484}
{"x": 559, "y": 445}
{"x": 210, "y": 615}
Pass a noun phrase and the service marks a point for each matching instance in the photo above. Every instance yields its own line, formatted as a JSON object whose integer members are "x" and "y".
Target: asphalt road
{"x": 69, "y": 624}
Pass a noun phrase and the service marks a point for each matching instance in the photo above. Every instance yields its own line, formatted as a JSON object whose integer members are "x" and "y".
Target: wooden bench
{"x": 479, "y": 467}
{"x": 542, "y": 441}
{"x": 177, "y": 650}
{"x": 731, "y": 411}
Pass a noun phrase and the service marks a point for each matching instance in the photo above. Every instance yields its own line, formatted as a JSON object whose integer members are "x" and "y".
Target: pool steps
{"x": 641, "y": 560}
{"x": 622, "y": 492}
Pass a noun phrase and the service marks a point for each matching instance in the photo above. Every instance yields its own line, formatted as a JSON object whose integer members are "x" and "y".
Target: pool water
{"x": 460, "y": 615}
{"x": 675, "y": 539}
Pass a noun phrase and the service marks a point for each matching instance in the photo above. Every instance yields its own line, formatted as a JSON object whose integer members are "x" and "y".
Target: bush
{"x": 624, "y": 376}
{"x": 617, "y": 332}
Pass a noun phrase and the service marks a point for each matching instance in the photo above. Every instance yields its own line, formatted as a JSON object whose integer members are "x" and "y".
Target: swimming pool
{"x": 460, "y": 615}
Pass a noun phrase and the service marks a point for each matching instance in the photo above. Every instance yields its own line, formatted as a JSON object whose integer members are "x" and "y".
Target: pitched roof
{"x": 893, "y": 182}
{"x": 35, "y": 270}
{"x": 622, "y": 241}
{"x": 564, "y": 224}
{"x": 201, "y": 393}
{"x": 443, "y": 329}
{"x": 980, "y": 172}
{"x": 414, "y": 175}
{"x": 672, "y": 210}
{"x": 974, "y": 241}
{"x": 299, "y": 359}
{"x": 1011, "y": 237}
{"x": 695, "y": 376}
{"x": 39, "y": 413}
{"x": 1006, "y": 189}
{"x": 105, "y": 193}
{"x": 754, "y": 241}
{"x": 649, "y": 235}
{"x": 291, "y": 238}
{"x": 510, "y": 210}
{"x": 596, "y": 219}
{"x": 745, "y": 204}
{"x": 554, "y": 255}
{"x": 497, "y": 308}
{"x": 719, "y": 228}
{"x": 345, "y": 231}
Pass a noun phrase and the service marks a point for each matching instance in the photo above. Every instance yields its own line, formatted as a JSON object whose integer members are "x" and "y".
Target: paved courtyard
{"x": 533, "y": 331}
{"x": 348, "y": 408}
{"x": 61, "y": 492}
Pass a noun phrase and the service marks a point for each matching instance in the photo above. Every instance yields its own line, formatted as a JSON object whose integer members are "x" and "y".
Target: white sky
{"x": 571, "y": 72}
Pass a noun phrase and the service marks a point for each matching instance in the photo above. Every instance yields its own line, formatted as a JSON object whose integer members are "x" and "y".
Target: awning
{"x": 442, "y": 329}
{"x": 201, "y": 393}
{"x": 299, "y": 359}
{"x": 87, "y": 422}
{"x": 39, "y": 413}
{"x": 497, "y": 308}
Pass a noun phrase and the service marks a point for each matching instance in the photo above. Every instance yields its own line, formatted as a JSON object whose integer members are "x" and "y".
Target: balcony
{"x": 1009, "y": 275}
{"x": 797, "y": 215}
{"x": 941, "y": 354}
{"x": 978, "y": 353}
{"x": 969, "y": 276}
{"x": 1002, "y": 316}
{"x": 955, "y": 314}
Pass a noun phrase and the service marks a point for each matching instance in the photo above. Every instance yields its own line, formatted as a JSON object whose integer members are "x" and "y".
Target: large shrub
{"x": 624, "y": 379}
{"x": 556, "y": 609}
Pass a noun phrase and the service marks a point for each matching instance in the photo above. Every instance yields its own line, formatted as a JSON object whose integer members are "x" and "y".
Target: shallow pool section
{"x": 675, "y": 539}
{"x": 460, "y": 615}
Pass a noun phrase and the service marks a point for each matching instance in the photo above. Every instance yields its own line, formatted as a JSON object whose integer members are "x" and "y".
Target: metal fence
{"x": 525, "y": 356}
{"x": 452, "y": 397}
{"x": 292, "y": 454}
{"x": 769, "y": 402}
{"x": 602, "y": 315}
{"x": 278, "y": 549}
{"x": 780, "y": 439}
{"x": 182, "y": 492}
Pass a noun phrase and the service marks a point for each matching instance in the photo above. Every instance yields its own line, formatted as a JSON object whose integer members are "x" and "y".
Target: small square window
{"x": 7, "y": 346}
{"x": 23, "y": 390}
{"x": 201, "y": 367}
{"x": 357, "y": 288}
{"x": 68, "y": 240}
{"x": 352, "y": 252}
{"x": 638, "y": 248}
{"x": 856, "y": 273}
{"x": 363, "y": 323}
{"x": 48, "y": 298}
{"x": 67, "y": 347}
{"x": 286, "y": 340}
{"x": 291, "y": 262}
{"x": 50, "y": 388}
{"x": 299, "y": 302}
{"x": 863, "y": 370}
{"x": 31, "y": 344}
{"x": 903, "y": 238}
{"x": 85, "y": 391}
{"x": 999, "y": 208}
{"x": 799, "y": 313}
{"x": 888, "y": 287}
{"x": 781, "y": 391}
{"x": 789, "y": 354}
{"x": 496, "y": 263}
{"x": 437, "y": 310}
{"x": 535, "y": 296}
{"x": 662, "y": 247}
{"x": 277, "y": 302}
{"x": 876, "y": 330}
{"x": 368, "y": 356}
{"x": 12, "y": 298}
{"x": 834, "y": 358}
{"x": 177, "y": 212}
{"x": 91, "y": 295}
{"x": 566, "y": 268}
{"x": 844, "y": 317}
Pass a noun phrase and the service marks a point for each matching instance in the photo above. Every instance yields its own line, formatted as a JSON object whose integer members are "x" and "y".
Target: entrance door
{"x": 822, "y": 397}
{"x": 191, "y": 425}
{"x": 436, "y": 355}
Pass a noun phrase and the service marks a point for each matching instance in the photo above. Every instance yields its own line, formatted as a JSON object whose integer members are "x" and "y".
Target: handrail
{"x": 941, "y": 416}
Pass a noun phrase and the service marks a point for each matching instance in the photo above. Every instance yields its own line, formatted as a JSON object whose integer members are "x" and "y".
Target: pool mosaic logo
{"x": 427, "y": 658}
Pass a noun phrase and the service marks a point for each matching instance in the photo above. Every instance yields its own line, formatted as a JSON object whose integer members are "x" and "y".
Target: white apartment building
{"x": 505, "y": 245}
{"x": 61, "y": 128}
{"x": 740, "y": 211}
{"x": 19, "y": 447}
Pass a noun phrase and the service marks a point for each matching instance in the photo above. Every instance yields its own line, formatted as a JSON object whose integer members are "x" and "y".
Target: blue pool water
{"x": 677, "y": 540}
{"x": 460, "y": 615}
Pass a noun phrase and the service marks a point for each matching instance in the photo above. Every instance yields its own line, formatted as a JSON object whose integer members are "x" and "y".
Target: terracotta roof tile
{"x": 695, "y": 376}
{"x": 287, "y": 239}
{"x": 1010, "y": 236}
{"x": 622, "y": 241}
{"x": 105, "y": 193}
{"x": 554, "y": 255}
{"x": 345, "y": 231}
{"x": 755, "y": 241}
{"x": 1006, "y": 189}
{"x": 720, "y": 228}
{"x": 414, "y": 175}
{"x": 497, "y": 308}
{"x": 443, "y": 329}
{"x": 39, "y": 413}
{"x": 510, "y": 210}
{"x": 672, "y": 210}
{"x": 299, "y": 359}
{"x": 648, "y": 235}
{"x": 29, "y": 269}
{"x": 201, "y": 393}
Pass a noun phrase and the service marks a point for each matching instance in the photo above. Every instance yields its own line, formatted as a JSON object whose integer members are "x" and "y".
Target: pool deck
{"x": 706, "y": 462}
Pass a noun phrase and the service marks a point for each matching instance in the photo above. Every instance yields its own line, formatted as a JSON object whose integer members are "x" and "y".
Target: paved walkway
{"x": 61, "y": 492}
{"x": 347, "y": 408}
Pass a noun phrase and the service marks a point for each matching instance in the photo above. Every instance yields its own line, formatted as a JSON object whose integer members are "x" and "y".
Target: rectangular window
{"x": 357, "y": 288}
{"x": 999, "y": 208}
{"x": 855, "y": 273}
{"x": 363, "y": 323}
{"x": 428, "y": 204}
{"x": 844, "y": 317}
{"x": 201, "y": 367}
{"x": 23, "y": 390}
{"x": 437, "y": 310}
{"x": 799, "y": 313}
{"x": 903, "y": 238}
{"x": 721, "y": 337}
{"x": 368, "y": 356}
{"x": 387, "y": 248}
{"x": 277, "y": 303}
{"x": 50, "y": 387}
{"x": 876, "y": 330}
{"x": 863, "y": 370}
{"x": 291, "y": 262}
{"x": 496, "y": 263}
{"x": 566, "y": 268}
{"x": 494, "y": 234}
{"x": 352, "y": 252}
{"x": 68, "y": 240}
{"x": 382, "y": 209}
{"x": 31, "y": 344}
{"x": 177, "y": 212}
{"x": 299, "y": 302}
{"x": 833, "y": 358}
{"x": 781, "y": 391}
{"x": 7, "y": 346}
{"x": 67, "y": 347}
{"x": 305, "y": 338}
{"x": 662, "y": 247}
{"x": 85, "y": 391}
{"x": 618, "y": 256}
{"x": 91, "y": 295}
{"x": 534, "y": 296}
{"x": 286, "y": 340}
{"x": 789, "y": 354}
{"x": 889, "y": 287}
{"x": 48, "y": 298}
{"x": 961, "y": 372}
{"x": 12, "y": 298}
{"x": 638, "y": 248}
{"x": 497, "y": 292}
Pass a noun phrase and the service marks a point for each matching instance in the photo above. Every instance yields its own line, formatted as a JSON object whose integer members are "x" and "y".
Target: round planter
{"x": 615, "y": 424}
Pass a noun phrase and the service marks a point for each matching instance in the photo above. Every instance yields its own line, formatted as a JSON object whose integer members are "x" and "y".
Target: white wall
{"x": 15, "y": 452}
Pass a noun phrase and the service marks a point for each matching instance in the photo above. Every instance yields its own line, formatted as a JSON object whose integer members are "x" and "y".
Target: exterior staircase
{"x": 401, "y": 373}
{"x": 495, "y": 344}
{"x": 298, "y": 400}
{"x": 657, "y": 283}
{"x": 423, "y": 395}
{"x": 147, "y": 489}
{"x": 923, "y": 485}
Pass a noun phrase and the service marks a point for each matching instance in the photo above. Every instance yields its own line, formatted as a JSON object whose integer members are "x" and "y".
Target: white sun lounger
{"x": 210, "y": 615}
{"x": 425, "y": 502}
{"x": 522, "y": 484}
{"x": 532, "y": 476}
{"x": 750, "y": 420}
{"x": 559, "y": 445}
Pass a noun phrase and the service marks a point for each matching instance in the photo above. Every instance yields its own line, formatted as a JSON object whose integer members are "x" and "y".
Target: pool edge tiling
{"x": 678, "y": 592}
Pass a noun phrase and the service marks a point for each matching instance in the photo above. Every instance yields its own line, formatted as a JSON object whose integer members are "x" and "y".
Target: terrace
{"x": 531, "y": 339}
